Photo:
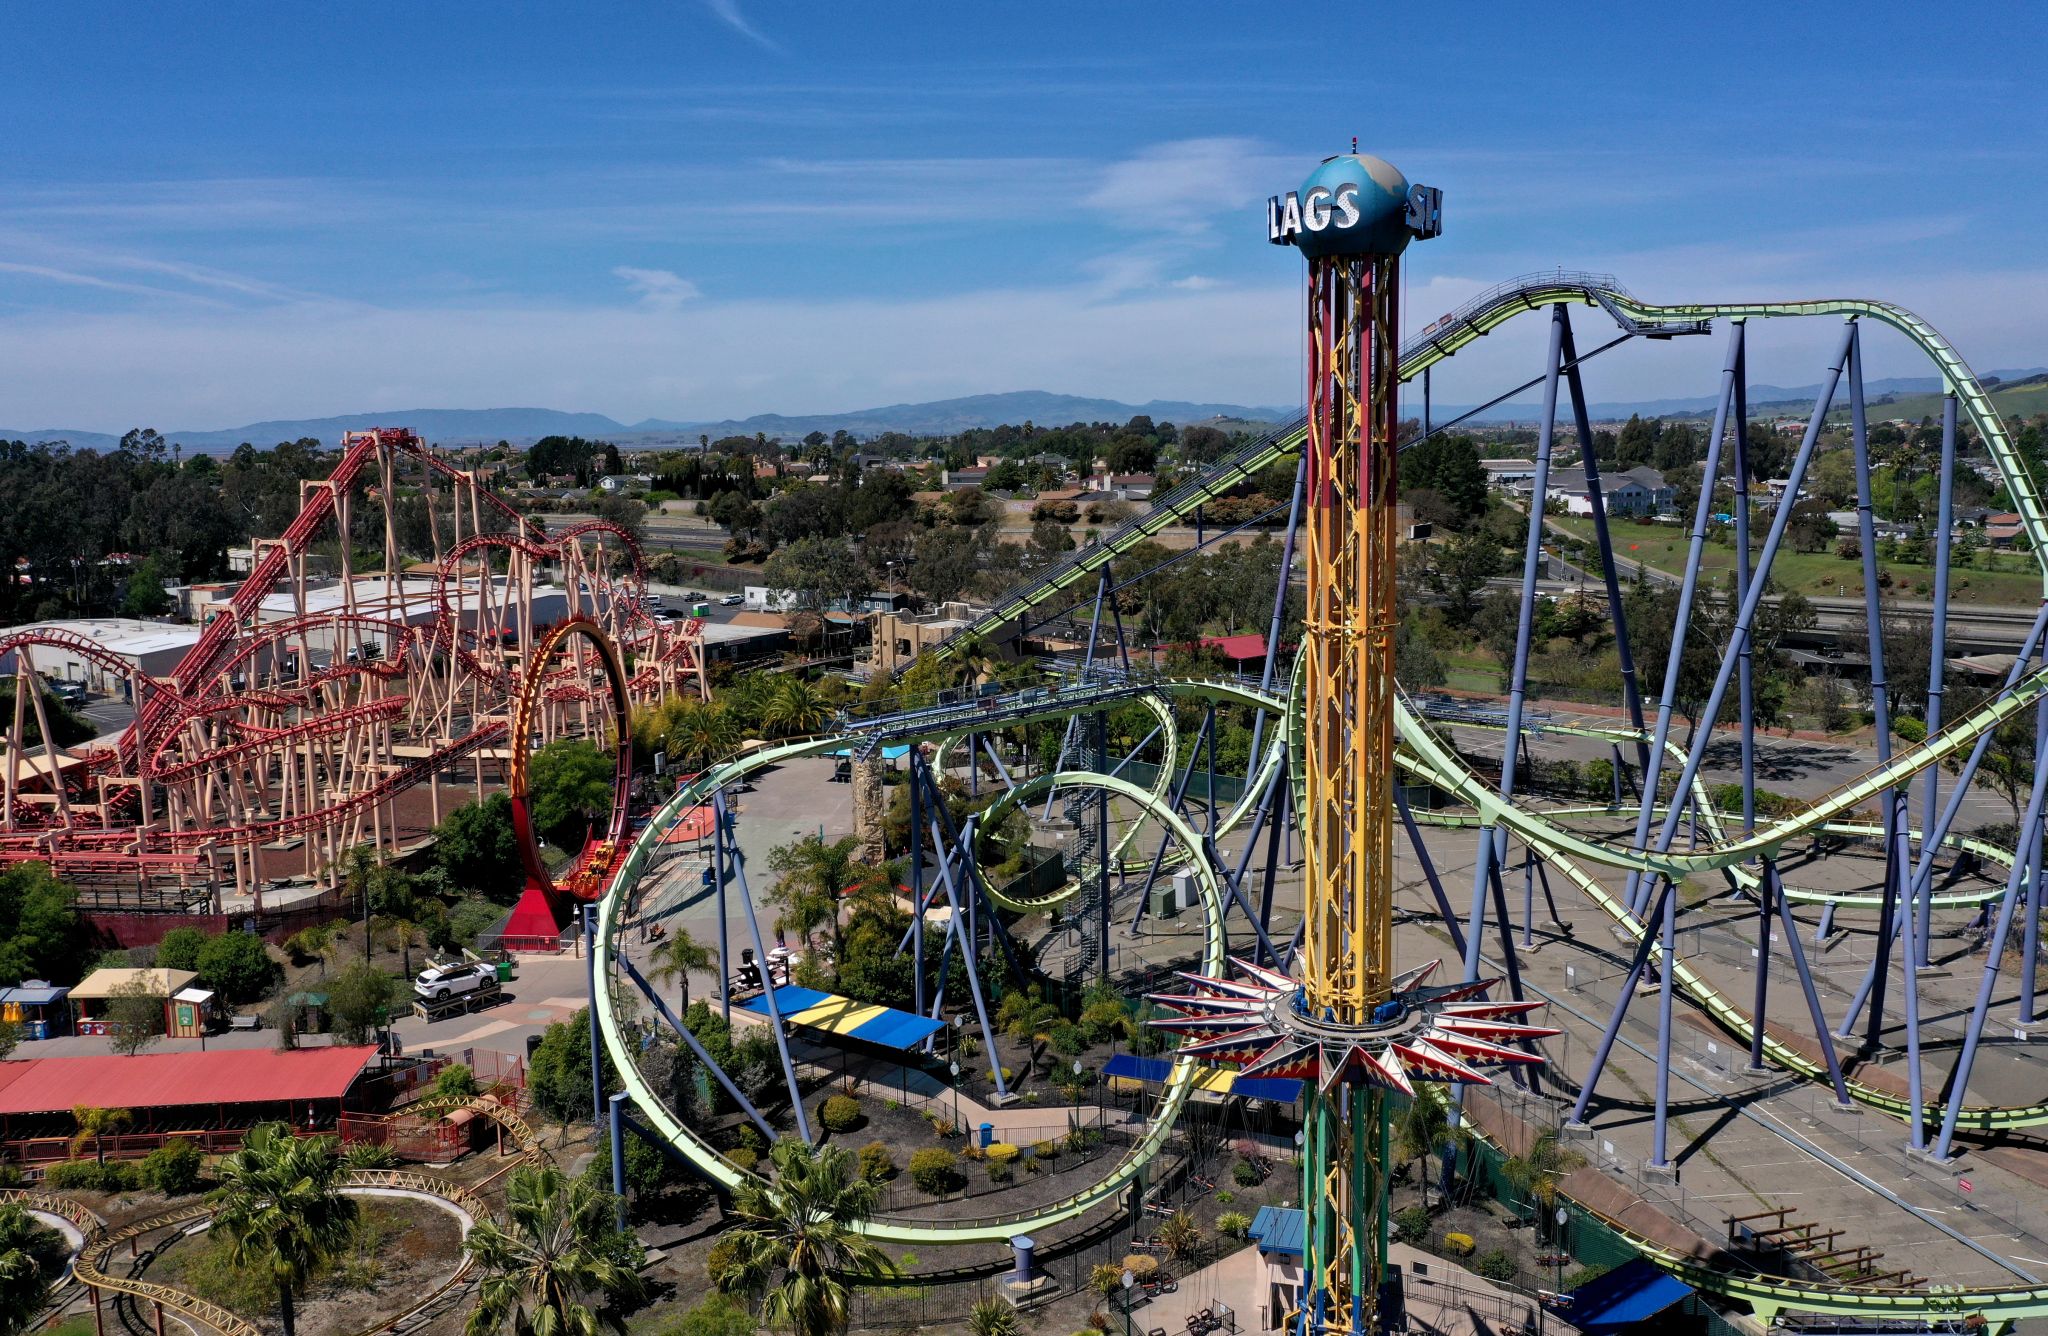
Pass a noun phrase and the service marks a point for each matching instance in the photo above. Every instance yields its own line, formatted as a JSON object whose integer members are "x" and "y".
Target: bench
{"x": 245, "y": 1022}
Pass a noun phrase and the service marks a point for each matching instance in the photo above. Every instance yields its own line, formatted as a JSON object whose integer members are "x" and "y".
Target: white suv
{"x": 439, "y": 981}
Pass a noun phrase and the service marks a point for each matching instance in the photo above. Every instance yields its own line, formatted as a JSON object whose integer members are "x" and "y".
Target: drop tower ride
{"x": 1337, "y": 1015}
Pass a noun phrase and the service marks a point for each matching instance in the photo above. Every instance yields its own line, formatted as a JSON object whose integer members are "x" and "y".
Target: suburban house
{"x": 959, "y": 480}
{"x": 1123, "y": 486}
{"x": 1510, "y": 475}
{"x": 1636, "y": 491}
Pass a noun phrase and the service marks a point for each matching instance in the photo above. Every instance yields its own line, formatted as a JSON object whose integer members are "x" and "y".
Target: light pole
{"x": 1077, "y": 1083}
{"x": 956, "y": 1094}
{"x": 1129, "y": 1282}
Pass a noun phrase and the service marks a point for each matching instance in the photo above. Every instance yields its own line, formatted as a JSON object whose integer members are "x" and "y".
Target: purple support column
{"x": 1798, "y": 954}
{"x": 1937, "y": 669}
{"x": 1660, "y": 1134}
{"x": 1614, "y": 1018}
{"x": 1631, "y": 690}
{"x": 1436, "y": 885}
{"x": 1493, "y": 840}
{"x": 916, "y": 886}
{"x": 1760, "y": 1012}
{"x": 1637, "y": 891}
{"x": 722, "y": 819}
{"x": 2030, "y": 833}
{"x": 2031, "y": 939}
{"x": 1880, "y": 703}
{"x": 1279, "y": 618}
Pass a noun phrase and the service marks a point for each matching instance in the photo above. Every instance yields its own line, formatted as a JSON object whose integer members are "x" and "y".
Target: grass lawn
{"x": 2016, "y": 582}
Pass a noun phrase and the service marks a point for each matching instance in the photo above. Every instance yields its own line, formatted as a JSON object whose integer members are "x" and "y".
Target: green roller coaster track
{"x": 1428, "y": 758}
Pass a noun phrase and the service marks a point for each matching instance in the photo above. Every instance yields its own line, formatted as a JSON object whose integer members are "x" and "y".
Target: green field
{"x": 2015, "y": 582}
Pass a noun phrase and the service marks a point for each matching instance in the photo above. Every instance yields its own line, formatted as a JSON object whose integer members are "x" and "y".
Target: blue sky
{"x": 220, "y": 213}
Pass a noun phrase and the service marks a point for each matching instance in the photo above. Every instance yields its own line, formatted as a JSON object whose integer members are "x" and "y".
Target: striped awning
{"x": 842, "y": 1016}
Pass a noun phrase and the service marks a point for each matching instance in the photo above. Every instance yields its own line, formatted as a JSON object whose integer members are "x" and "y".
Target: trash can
{"x": 988, "y": 1135}
{"x": 504, "y": 971}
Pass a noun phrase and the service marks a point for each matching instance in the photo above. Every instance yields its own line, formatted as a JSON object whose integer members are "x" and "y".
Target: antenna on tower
{"x": 1354, "y": 144}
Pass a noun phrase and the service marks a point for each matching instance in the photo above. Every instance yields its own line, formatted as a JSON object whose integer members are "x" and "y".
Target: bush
{"x": 1106, "y": 1278}
{"x": 1245, "y": 1174}
{"x": 744, "y": 1158}
{"x": 750, "y": 1137}
{"x": 91, "y": 1176}
{"x": 1069, "y": 1041}
{"x": 173, "y": 1168}
{"x": 179, "y": 950}
{"x": 1225, "y": 1197}
{"x": 876, "y": 1164}
{"x": 992, "y": 1317}
{"x": 718, "y": 1315}
{"x": 237, "y": 965}
{"x": 455, "y": 1081}
{"x": 1497, "y": 1264}
{"x": 1008, "y": 1076}
{"x": 1411, "y": 1225}
{"x": 841, "y": 1113}
{"x": 999, "y": 1172}
{"x": 1001, "y": 1152}
{"x": 1233, "y": 1224}
{"x": 1181, "y": 1237}
{"x": 1044, "y": 1150}
{"x": 1458, "y": 1245}
{"x": 369, "y": 1155}
{"x": 722, "y": 1256}
{"x": 934, "y": 1171}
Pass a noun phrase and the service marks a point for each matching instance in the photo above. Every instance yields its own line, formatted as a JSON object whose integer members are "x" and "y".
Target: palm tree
{"x": 680, "y": 954}
{"x": 280, "y": 1206}
{"x": 96, "y": 1123}
{"x": 1425, "y": 1128}
{"x": 700, "y": 735}
{"x": 794, "y": 1243}
{"x": 813, "y": 874}
{"x": 746, "y": 699}
{"x": 795, "y": 708}
{"x": 29, "y": 1256}
{"x": 1538, "y": 1170}
{"x": 557, "y": 1253}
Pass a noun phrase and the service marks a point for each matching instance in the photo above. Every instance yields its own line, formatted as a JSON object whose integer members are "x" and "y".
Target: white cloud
{"x": 659, "y": 289}
{"x": 728, "y": 13}
{"x": 1180, "y": 186}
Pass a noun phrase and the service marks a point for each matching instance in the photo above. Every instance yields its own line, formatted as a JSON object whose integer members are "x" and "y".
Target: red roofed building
{"x": 218, "y": 1091}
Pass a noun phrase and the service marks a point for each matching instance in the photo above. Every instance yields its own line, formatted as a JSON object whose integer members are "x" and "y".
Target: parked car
{"x": 439, "y": 981}
{"x": 732, "y": 600}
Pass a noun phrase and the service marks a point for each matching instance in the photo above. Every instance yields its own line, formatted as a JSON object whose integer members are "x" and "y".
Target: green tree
{"x": 478, "y": 849}
{"x": 1448, "y": 466}
{"x": 700, "y": 734}
{"x": 41, "y": 936}
{"x": 1423, "y": 1130}
{"x": 813, "y": 876}
{"x": 145, "y": 596}
{"x": 559, "y": 1074}
{"x": 31, "y": 1256}
{"x": 359, "y": 999}
{"x": 680, "y": 954}
{"x": 136, "y": 1015}
{"x": 569, "y": 784}
{"x": 795, "y": 708}
{"x": 557, "y": 1266}
{"x": 716, "y": 1315}
{"x": 1459, "y": 570}
{"x": 280, "y": 1207}
{"x": 179, "y": 949}
{"x": 794, "y": 1239}
{"x": 237, "y": 965}
{"x": 1536, "y": 1172}
{"x": 818, "y": 570}
{"x": 96, "y": 1124}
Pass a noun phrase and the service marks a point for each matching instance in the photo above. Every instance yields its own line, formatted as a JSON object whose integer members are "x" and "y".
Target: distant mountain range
{"x": 1761, "y": 399}
{"x": 523, "y": 426}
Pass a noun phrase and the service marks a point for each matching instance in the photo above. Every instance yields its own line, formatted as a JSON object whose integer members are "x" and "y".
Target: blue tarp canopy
{"x": 1215, "y": 1080}
{"x": 888, "y": 753}
{"x": 1276, "y": 1229}
{"x": 1624, "y": 1299}
{"x": 865, "y": 1021}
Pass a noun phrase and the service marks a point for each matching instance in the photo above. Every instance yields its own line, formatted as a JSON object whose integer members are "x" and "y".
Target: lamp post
{"x": 956, "y": 1094}
{"x": 1077, "y": 1083}
{"x": 1130, "y": 1281}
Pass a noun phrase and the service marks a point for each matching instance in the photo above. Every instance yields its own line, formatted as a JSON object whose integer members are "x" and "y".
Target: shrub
{"x": 1001, "y": 1152}
{"x": 1497, "y": 1264}
{"x": 1045, "y": 1150}
{"x": 179, "y": 949}
{"x": 1233, "y": 1224}
{"x": 744, "y": 1158}
{"x": 750, "y": 1137}
{"x": 91, "y": 1176}
{"x": 1181, "y": 1237}
{"x": 173, "y": 1168}
{"x": 237, "y": 964}
{"x": 1245, "y": 1174}
{"x": 369, "y": 1155}
{"x": 876, "y": 1164}
{"x": 992, "y": 1317}
{"x": 455, "y": 1081}
{"x": 1069, "y": 1041}
{"x": 1225, "y": 1197}
{"x": 934, "y": 1171}
{"x": 1106, "y": 1278}
{"x": 1458, "y": 1245}
{"x": 717, "y": 1315}
{"x": 999, "y": 1172}
{"x": 1411, "y": 1225}
{"x": 722, "y": 1256}
{"x": 1101, "y": 1020}
{"x": 1008, "y": 1075}
{"x": 841, "y": 1113}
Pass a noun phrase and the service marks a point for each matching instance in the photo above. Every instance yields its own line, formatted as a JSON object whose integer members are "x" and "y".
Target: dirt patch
{"x": 403, "y": 1250}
